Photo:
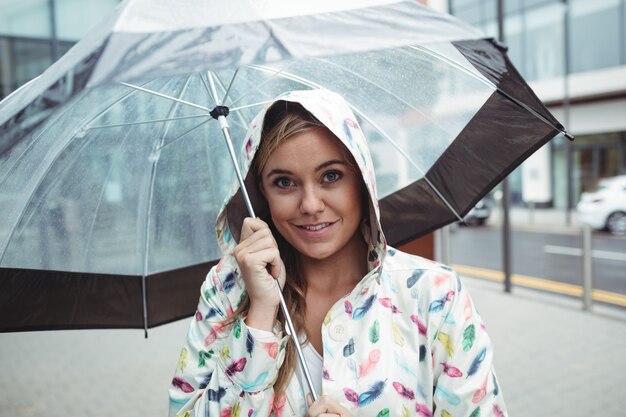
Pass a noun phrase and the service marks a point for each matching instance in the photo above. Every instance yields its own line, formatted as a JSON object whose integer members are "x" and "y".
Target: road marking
{"x": 600, "y": 254}
{"x": 542, "y": 284}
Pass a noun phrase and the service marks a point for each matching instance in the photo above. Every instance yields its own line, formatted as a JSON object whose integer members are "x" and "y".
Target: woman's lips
{"x": 315, "y": 229}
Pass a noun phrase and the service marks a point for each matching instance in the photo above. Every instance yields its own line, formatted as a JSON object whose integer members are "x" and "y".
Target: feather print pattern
{"x": 397, "y": 335}
{"x": 372, "y": 394}
{"x": 420, "y": 326}
{"x": 182, "y": 384}
{"x": 480, "y": 392}
{"x": 446, "y": 342}
{"x": 383, "y": 413}
{"x": 496, "y": 388}
{"x": 349, "y": 348}
{"x": 447, "y": 395}
{"x": 348, "y": 308}
{"x": 415, "y": 276}
{"x": 360, "y": 311}
{"x": 445, "y": 413}
{"x": 437, "y": 305}
{"x": 369, "y": 364}
{"x": 475, "y": 413}
{"x": 497, "y": 412}
{"x": 236, "y": 366}
{"x": 451, "y": 371}
{"x": 403, "y": 391}
{"x": 249, "y": 344}
{"x": 374, "y": 332}
{"x": 423, "y": 411}
{"x": 469, "y": 336}
{"x": 478, "y": 360}
{"x": 386, "y": 302}
{"x": 182, "y": 360}
{"x": 213, "y": 395}
{"x": 351, "y": 395}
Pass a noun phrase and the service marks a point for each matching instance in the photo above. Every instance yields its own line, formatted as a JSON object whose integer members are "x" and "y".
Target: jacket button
{"x": 338, "y": 332}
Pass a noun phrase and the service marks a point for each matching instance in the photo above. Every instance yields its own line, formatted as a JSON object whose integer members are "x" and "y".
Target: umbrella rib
{"x": 243, "y": 122}
{"x": 409, "y": 159}
{"x": 258, "y": 87}
{"x": 102, "y": 191}
{"x": 183, "y": 134}
{"x": 146, "y": 234}
{"x": 208, "y": 90}
{"x": 177, "y": 100}
{"x": 380, "y": 87}
{"x": 494, "y": 86}
{"x": 149, "y": 121}
{"x": 232, "y": 80}
{"x": 382, "y": 132}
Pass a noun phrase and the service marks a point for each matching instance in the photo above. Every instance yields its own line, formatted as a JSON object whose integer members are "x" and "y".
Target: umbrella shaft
{"x": 294, "y": 336}
{"x": 233, "y": 157}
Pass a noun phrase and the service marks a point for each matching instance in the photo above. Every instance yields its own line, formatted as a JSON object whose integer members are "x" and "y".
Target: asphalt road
{"x": 553, "y": 256}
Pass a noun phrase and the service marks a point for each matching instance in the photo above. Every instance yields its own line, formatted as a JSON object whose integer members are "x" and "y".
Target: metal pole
{"x": 288, "y": 322}
{"x": 506, "y": 193}
{"x": 569, "y": 148}
{"x": 54, "y": 38}
{"x": 587, "y": 268}
{"x": 445, "y": 245}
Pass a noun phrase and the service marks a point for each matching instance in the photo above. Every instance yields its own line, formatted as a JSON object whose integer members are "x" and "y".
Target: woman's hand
{"x": 325, "y": 406}
{"x": 260, "y": 264}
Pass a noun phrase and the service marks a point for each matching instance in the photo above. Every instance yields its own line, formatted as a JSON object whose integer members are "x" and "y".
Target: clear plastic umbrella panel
{"x": 112, "y": 168}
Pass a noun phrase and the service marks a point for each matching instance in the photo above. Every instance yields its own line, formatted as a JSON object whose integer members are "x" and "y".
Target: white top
{"x": 314, "y": 361}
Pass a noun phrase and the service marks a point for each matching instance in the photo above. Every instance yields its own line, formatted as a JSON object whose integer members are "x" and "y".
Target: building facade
{"x": 35, "y": 33}
{"x": 573, "y": 53}
{"x": 583, "y": 84}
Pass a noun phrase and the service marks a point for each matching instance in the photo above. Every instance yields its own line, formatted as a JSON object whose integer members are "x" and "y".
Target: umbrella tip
{"x": 569, "y": 136}
{"x": 145, "y": 333}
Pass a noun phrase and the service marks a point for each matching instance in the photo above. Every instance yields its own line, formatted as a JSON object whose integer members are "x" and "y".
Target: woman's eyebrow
{"x": 278, "y": 172}
{"x": 329, "y": 163}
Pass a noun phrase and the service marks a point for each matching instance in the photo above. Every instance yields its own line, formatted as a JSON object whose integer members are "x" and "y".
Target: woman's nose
{"x": 312, "y": 201}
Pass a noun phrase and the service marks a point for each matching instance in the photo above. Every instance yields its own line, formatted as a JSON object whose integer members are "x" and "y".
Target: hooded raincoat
{"x": 406, "y": 341}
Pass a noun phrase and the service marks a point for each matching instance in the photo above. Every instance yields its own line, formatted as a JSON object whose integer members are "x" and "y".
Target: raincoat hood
{"x": 333, "y": 112}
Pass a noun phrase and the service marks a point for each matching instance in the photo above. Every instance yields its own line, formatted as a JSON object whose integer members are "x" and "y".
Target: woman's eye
{"x": 332, "y": 176}
{"x": 283, "y": 182}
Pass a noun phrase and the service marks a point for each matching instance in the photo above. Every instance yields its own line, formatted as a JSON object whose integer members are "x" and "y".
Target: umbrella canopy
{"x": 112, "y": 170}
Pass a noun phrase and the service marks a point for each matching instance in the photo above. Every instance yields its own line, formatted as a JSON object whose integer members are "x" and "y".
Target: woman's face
{"x": 314, "y": 194}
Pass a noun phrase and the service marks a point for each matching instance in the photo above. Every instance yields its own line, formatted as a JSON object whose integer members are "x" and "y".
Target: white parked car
{"x": 606, "y": 207}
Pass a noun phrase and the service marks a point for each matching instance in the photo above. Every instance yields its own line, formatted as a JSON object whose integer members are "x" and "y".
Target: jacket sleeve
{"x": 465, "y": 382}
{"x": 224, "y": 369}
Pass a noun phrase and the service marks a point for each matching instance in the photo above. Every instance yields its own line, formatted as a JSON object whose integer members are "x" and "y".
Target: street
{"x": 553, "y": 256}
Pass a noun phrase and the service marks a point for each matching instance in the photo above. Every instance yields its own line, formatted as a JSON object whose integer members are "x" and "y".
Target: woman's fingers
{"x": 251, "y": 225}
{"x": 325, "y": 406}
{"x": 259, "y": 261}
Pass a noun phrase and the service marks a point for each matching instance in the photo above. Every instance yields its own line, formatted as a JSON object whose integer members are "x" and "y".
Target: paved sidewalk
{"x": 551, "y": 358}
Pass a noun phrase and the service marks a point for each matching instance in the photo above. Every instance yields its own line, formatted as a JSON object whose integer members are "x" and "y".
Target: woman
{"x": 385, "y": 333}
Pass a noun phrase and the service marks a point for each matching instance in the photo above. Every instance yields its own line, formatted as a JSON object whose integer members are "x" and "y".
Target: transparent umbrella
{"x": 112, "y": 169}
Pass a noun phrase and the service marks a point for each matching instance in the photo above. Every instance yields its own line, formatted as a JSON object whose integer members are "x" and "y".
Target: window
{"x": 594, "y": 34}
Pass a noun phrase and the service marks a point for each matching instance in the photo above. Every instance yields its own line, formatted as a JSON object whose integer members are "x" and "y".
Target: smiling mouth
{"x": 315, "y": 227}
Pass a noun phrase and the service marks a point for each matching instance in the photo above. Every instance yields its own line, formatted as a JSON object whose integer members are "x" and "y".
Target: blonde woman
{"x": 384, "y": 333}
